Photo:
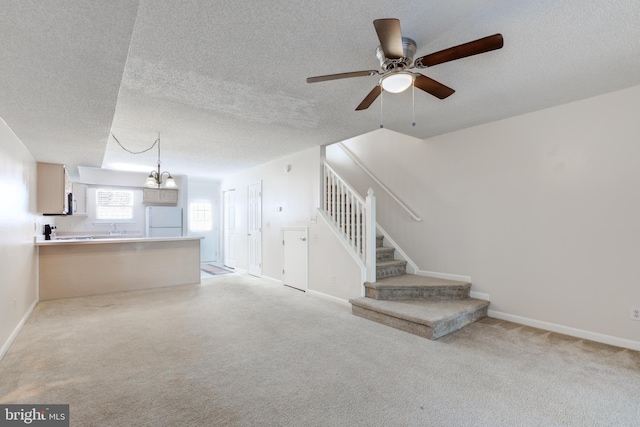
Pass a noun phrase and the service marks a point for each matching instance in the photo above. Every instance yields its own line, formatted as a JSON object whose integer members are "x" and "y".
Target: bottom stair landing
{"x": 424, "y": 306}
{"x": 428, "y": 319}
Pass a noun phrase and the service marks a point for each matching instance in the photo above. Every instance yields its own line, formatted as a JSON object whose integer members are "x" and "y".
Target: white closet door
{"x": 254, "y": 229}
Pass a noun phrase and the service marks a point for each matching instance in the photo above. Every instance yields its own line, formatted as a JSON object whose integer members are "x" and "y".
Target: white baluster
{"x": 370, "y": 236}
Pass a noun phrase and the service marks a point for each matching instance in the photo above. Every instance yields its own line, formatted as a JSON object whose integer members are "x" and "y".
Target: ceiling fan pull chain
{"x": 381, "y": 98}
{"x": 413, "y": 104}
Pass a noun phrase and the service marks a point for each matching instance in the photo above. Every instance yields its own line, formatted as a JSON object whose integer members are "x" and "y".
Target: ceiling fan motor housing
{"x": 408, "y": 48}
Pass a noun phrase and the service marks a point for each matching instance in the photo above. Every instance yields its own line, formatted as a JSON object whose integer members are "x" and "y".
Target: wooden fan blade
{"x": 368, "y": 100}
{"x": 431, "y": 86}
{"x": 390, "y": 37}
{"x": 475, "y": 47}
{"x": 341, "y": 76}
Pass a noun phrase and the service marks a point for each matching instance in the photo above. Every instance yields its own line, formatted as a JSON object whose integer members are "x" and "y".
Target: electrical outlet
{"x": 635, "y": 313}
{"x": 333, "y": 279}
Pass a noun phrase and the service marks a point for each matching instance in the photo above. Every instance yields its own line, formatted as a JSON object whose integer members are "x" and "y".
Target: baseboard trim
{"x": 16, "y": 331}
{"x": 329, "y": 297}
{"x": 566, "y": 330}
{"x": 444, "y": 276}
{"x": 480, "y": 295}
{"x": 271, "y": 279}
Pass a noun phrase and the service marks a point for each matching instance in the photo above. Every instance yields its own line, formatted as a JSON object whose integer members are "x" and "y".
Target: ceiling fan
{"x": 395, "y": 54}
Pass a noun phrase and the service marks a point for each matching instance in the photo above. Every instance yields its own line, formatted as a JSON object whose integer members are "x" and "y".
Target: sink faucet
{"x": 114, "y": 229}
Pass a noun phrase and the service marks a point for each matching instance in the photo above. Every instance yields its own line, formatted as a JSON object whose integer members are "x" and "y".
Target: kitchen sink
{"x": 101, "y": 237}
{"x": 118, "y": 236}
{"x": 74, "y": 238}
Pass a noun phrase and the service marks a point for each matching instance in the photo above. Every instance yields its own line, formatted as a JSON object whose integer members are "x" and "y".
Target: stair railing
{"x": 353, "y": 216}
{"x": 377, "y": 181}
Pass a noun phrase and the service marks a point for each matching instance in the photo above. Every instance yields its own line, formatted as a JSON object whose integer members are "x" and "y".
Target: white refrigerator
{"x": 163, "y": 221}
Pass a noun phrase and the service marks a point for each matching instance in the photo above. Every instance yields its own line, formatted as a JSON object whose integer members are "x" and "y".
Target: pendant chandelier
{"x": 154, "y": 180}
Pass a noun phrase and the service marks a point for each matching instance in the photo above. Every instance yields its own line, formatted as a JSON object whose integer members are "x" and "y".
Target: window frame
{"x": 115, "y": 218}
{"x": 194, "y": 221}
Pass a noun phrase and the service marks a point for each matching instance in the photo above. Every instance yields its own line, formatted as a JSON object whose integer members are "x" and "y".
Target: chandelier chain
{"x": 155, "y": 178}
{"x": 136, "y": 152}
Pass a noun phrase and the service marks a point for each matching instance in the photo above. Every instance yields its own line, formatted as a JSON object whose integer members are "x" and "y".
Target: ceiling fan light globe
{"x": 397, "y": 82}
{"x": 170, "y": 182}
{"x": 150, "y": 182}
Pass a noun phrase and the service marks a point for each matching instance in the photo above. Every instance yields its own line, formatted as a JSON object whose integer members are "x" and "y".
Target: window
{"x": 114, "y": 204}
{"x": 200, "y": 216}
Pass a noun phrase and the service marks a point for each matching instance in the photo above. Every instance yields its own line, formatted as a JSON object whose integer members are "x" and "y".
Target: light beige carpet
{"x": 240, "y": 351}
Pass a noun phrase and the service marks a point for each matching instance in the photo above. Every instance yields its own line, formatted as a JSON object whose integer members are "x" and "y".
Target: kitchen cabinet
{"x": 159, "y": 196}
{"x": 79, "y": 192}
{"x": 53, "y": 187}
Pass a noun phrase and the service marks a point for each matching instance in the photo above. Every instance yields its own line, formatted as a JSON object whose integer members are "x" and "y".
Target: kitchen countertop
{"x": 75, "y": 267}
{"x": 99, "y": 240}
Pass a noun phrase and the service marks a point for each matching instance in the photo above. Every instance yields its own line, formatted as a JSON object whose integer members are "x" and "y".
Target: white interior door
{"x": 295, "y": 265}
{"x": 229, "y": 228}
{"x": 254, "y": 228}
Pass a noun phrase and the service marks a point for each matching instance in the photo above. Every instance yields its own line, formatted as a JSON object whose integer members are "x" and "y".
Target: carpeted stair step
{"x": 384, "y": 253}
{"x": 391, "y": 267}
{"x": 428, "y": 319}
{"x": 413, "y": 287}
{"x": 379, "y": 239}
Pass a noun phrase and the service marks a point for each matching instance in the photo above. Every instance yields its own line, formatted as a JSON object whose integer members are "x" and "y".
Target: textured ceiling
{"x": 224, "y": 82}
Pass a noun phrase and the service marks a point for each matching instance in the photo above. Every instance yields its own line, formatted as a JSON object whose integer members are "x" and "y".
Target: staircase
{"x": 424, "y": 306}
{"x": 420, "y": 305}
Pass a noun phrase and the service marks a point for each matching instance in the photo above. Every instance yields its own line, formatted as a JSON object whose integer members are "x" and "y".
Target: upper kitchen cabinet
{"x": 159, "y": 196}
{"x": 79, "y": 192}
{"x": 53, "y": 189}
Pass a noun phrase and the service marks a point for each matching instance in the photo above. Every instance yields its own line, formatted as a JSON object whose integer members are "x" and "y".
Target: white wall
{"x": 295, "y": 191}
{"x": 18, "y": 258}
{"x": 332, "y": 271}
{"x": 542, "y": 210}
{"x": 332, "y": 268}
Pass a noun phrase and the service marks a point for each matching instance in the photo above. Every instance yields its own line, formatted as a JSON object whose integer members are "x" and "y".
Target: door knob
{"x": 303, "y": 239}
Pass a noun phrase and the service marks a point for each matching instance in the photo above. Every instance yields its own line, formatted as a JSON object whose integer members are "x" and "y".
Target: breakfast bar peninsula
{"x": 93, "y": 265}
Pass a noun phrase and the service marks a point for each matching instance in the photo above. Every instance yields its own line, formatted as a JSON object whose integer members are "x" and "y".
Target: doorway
{"x": 229, "y": 228}
{"x": 254, "y": 228}
{"x": 203, "y": 217}
{"x": 295, "y": 257}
